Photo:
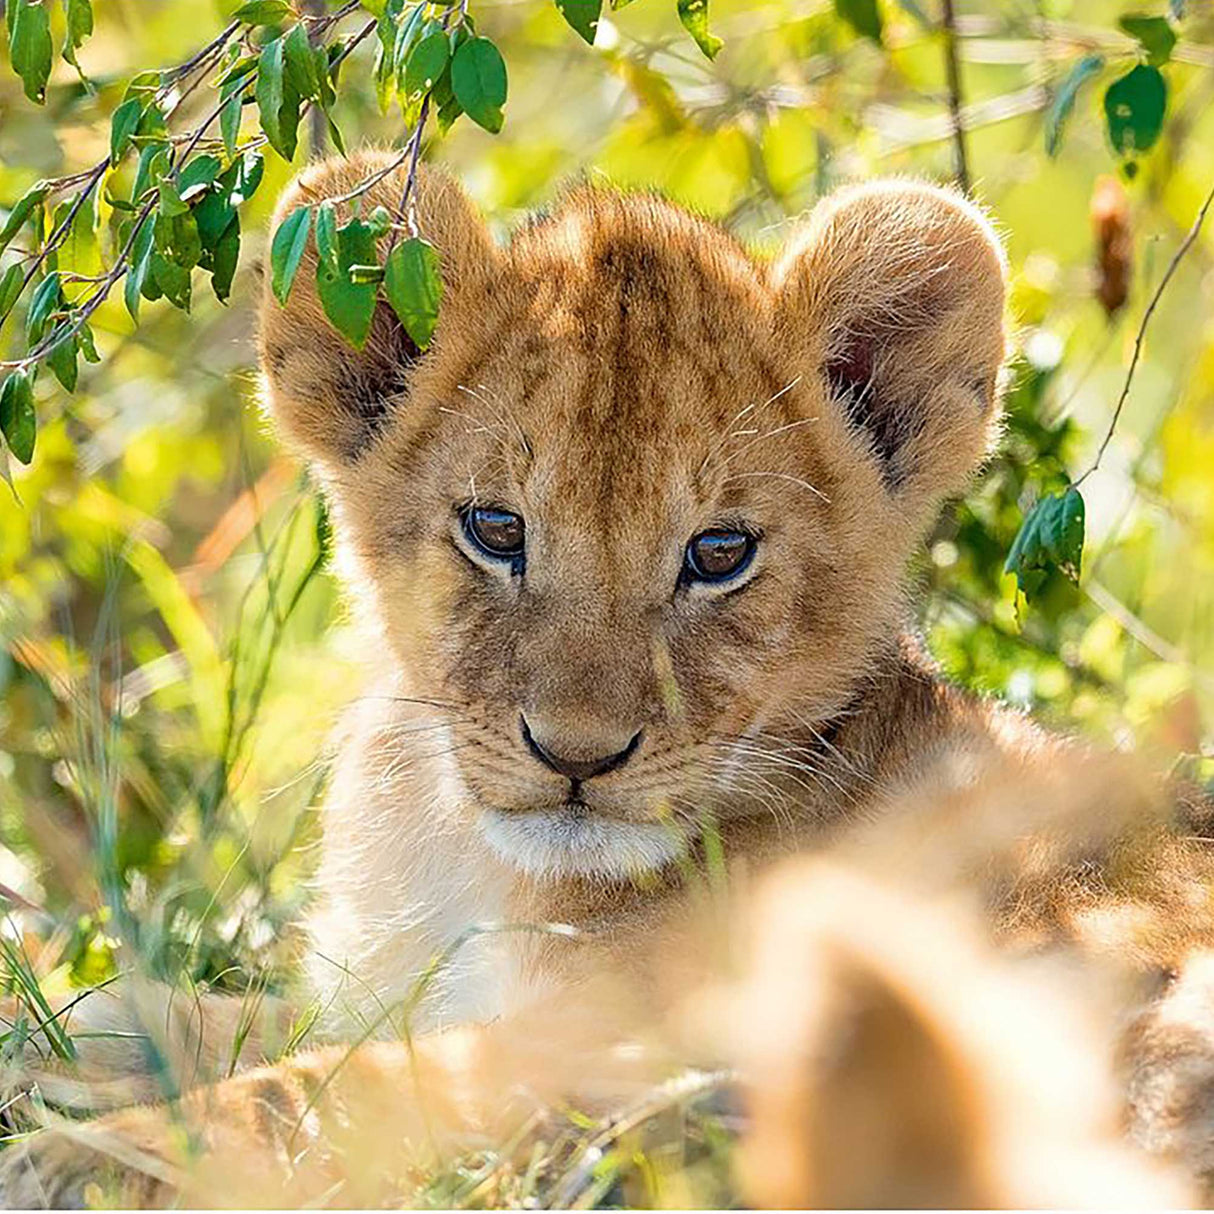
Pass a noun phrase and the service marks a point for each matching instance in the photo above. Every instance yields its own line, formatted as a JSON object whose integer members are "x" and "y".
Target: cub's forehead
{"x": 628, "y": 341}
{"x": 623, "y": 313}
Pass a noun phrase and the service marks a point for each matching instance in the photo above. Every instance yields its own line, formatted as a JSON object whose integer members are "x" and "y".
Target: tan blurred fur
{"x": 624, "y": 375}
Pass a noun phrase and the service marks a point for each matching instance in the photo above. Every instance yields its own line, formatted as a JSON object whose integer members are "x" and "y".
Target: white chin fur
{"x": 555, "y": 843}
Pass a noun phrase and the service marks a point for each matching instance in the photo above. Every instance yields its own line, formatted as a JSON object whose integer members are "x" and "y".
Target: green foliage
{"x": 427, "y": 61}
{"x": 78, "y": 20}
{"x": 414, "y": 287}
{"x": 29, "y": 45}
{"x": 1155, "y": 35}
{"x": 17, "y": 422}
{"x": 694, "y": 16}
{"x": 21, "y": 211}
{"x": 583, "y": 16}
{"x": 348, "y": 304}
{"x": 478, "y": 80}
{"x": 1051, "y": 538}
{"x": 1134, "y": 107}
{"x": 287, "y": 250}
{"x": 1064, "y": 99}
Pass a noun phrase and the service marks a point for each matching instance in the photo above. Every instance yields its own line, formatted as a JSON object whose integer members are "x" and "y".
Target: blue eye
{"x": 718, "y": 555}
{"x": 498, "y": 534}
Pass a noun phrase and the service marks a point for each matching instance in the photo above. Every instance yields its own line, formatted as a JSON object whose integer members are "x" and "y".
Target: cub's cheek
{"x": 415, "y": 601}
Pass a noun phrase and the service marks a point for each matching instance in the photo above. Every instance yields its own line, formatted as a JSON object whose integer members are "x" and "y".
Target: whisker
{"x": 783, "y": 476}
{"x": 737, "y": 417}
{"x": 804, "y": 421}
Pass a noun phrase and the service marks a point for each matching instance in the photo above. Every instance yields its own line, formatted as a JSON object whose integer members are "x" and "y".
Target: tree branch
{"x": 1177, "y": 257}
{"x": 948, "y": 21}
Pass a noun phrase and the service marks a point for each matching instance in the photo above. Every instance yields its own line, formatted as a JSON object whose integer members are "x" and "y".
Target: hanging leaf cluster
{"x": 171, "y": 199}
{"x": 1135, "y": 102}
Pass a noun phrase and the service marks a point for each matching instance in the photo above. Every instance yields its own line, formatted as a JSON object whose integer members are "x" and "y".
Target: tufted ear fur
{"x": 894, "y": 293}
{"x": 331, "y": 399}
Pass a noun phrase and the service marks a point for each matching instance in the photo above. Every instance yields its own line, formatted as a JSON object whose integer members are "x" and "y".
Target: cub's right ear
{"x": 331, "y": 399}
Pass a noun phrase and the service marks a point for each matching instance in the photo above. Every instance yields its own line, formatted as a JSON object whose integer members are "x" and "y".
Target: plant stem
{"x": 952, "y": 66}
{"x": 1185, "y": 245}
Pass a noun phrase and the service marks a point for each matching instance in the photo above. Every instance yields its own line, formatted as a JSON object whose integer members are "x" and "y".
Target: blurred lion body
{"x": 624, "y": 375}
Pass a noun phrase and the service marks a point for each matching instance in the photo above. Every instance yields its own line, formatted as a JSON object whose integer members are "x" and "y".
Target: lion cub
{"x": 627, "y": 544}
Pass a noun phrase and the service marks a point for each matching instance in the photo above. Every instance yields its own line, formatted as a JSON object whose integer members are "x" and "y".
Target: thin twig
{"x": 406, "y": 212}
{"x": 1185, "y": 245}
{"x": 948, "y": 21}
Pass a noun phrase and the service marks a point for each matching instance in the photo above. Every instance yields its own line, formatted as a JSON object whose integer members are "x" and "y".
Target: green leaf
{"x": 583, "y": 16}
{"x": 62, "y": 361}
{"x": 152, "y": 125}
{"x": 1134, "y": 107}
{"x": 1050, "y": 538}
{"x": 153, "y": 166}
{"x": 17, "y": 421}
{"x": 78, "y": 18}
{"x": 136, "y": 275}
{"x": 277, "y": 100}
{"x": 10, "y": 289}
{"x": 335, "y": 134}
{"x": 30, "y": 47}
{"x": 123, "y": 125}
{"x": 224, "y": 260}
{"x": 177, "y": 240}
{"x": 694, "y": 16}
{"x": 242, "y": 177}
{"x": 1065, "y": 98}
{"x": 45, "y": 302}
{"x": 170, "y": 201}
{"x": 300, "y": 63}
{"x": 384, "y": 64}
{"x": 448, "y": 112}
{"x": 350, "y": 306}
{"x": 426, "y": 63}
{"x": 234, "y": 79}
{"x": 478, "y": 79}
{"x": 1154, "y": 34}
{"x": 214, "y": 214}
{"x": 142, "y": 85}
{"x": 269, "y": 89}
{"x": 173, "y": 279}
{"x": 287, "y": 250}
{"x": 229, "y": 122}
{"x": 406, "y": 36}
{"x": 263, "y": 12}
{"x": 864, "y": 16}
{"x": 23, "y": 208}
{"x": 414, "y": 287}
{"x": 197, "y": 176}
{"x": 326, "y": 236}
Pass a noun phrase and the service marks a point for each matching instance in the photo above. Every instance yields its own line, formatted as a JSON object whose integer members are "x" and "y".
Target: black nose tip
{"x": 579, "y": 769}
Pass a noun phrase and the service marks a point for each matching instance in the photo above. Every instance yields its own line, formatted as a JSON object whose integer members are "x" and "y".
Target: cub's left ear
{"x": 894, "y": 293}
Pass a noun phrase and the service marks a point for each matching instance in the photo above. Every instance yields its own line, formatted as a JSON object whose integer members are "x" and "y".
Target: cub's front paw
{"x": 78, "y": 1166}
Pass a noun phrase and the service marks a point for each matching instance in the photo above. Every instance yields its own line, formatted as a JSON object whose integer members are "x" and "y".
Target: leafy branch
{"x": 182, "y": 210}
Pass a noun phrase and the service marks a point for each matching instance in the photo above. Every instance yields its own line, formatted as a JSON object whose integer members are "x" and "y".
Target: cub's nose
{"x": 550, "y": 754}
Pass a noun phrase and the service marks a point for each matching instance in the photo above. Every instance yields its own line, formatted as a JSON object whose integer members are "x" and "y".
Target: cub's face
{"x": 632, "y": 529}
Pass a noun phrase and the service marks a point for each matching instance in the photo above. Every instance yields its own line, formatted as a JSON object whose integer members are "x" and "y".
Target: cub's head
{"x": 633, "y": 528}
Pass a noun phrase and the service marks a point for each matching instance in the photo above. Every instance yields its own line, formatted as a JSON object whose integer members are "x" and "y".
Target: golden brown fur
{"x": 624, "y": 376}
